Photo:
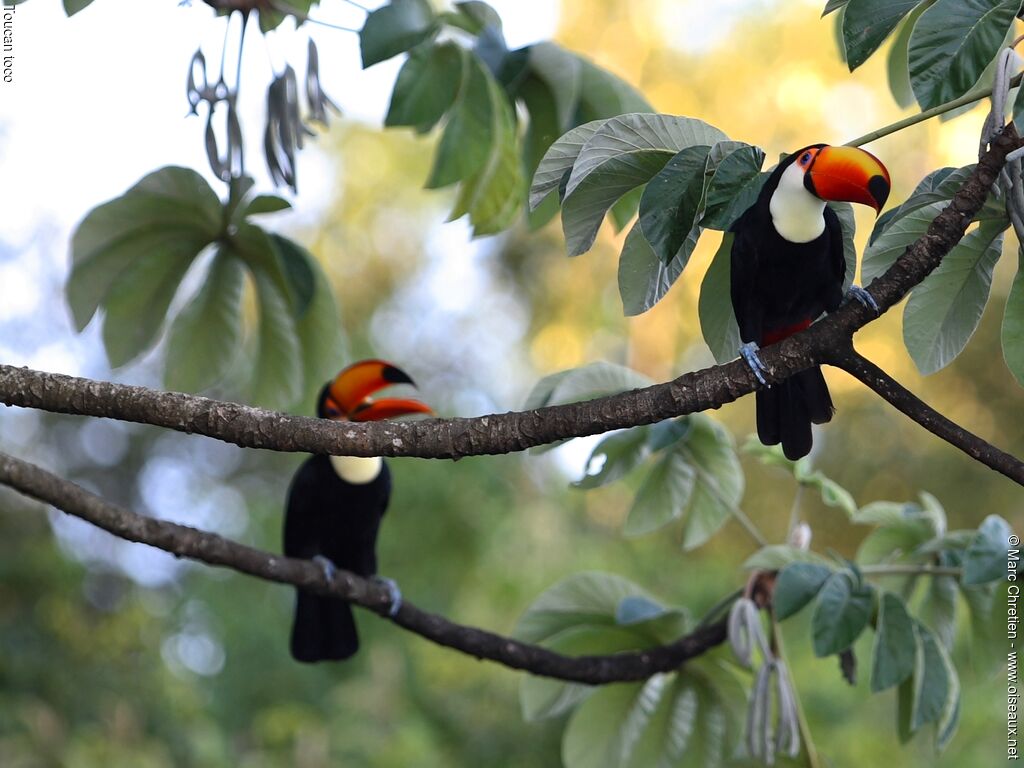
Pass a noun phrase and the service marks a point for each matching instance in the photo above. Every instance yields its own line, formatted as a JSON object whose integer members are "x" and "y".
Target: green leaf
{"x": 591, "y": 598}
{"x": 672, "y": 202}
{"x": 1012, "y": 334}
{"x": 952, "y": 43}
{"x": 555, "y": 166}
{"x": 895, "y": 648}
{"x": 841, "y": 612}
{"x": 866, "y": 24}
{"x": 491, "y": 196}
{"x": 986, "y": 556}
{"x": 603, "y": 95}
{"x": 717, "y": 319}
{"x": 672, "y": 705}
{"x": 950, "y": 717}
{"x": 71, "y": 7}
{"x": 426, "y": 87}
{"x": 644, "y": 279}
{"x": 719, "y": 484}
{"x": 277, "y": 375}
{"x": 206, "y": 336}
{"x": 734, "y": 187}
{"x": 585, "y": 207}
{"x": 562, "y": 72}
{"x": 885, "y": 513}
{"x": 849, "y": 228}
{"x": 594, "y": 736}
{"x": 938, "y": 610}
{"x": 621, "y": 452}
{"x": 833, "y": 5}
{"x": 297, "y": 266}
{"x": 775, "y": 557}
{"x": 395, "y": 28}
{"x": 796, "y": 586}
{"x": 265, "y": 204}
{"x": 661, "y": 498}
{"x": 584, "y": 383}
{"x": 639, "y": 133}
{"x": 480, "y": 14}
{"x": 931, "y": 680}
{"x": 894, "y": 240}
{"x": 469, "y": 135}
{"x": 945, "y": 309}
{"x": 898, "y": 62}
{"x": 138, "y": 300}
{"x": 832, "y": 493}
{"x": 167, "y": 216}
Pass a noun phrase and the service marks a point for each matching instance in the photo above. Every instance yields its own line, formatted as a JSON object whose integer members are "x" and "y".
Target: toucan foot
{"x": 329, "y": 569}
{"x": 393, "y": 591}
{"x": 865, "y": 298}
{"x": 749, "y": 354}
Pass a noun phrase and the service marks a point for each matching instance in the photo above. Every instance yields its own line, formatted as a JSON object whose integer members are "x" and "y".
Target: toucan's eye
{"x": 805, "y": 159}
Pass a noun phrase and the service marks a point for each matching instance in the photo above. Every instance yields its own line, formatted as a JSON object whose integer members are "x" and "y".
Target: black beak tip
{"x": 394, "y": 375}
{"x": 878, "y": 187}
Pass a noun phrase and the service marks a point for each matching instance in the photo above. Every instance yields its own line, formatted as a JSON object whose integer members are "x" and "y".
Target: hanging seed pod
{"x": 316, "y": 100}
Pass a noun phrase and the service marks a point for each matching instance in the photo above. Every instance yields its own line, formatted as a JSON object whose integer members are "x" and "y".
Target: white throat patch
{"x": 796, "y": 213}
{"x": 357, "y": 470}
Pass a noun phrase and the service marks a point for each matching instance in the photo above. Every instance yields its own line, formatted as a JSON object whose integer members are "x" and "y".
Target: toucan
{"x": 787, "y": 268}
{"x": 335, "y": 505}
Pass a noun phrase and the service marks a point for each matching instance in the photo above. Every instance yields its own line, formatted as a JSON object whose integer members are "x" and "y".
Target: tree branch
{"x": 907, "y": 402}
{"x": 184, "y": 541}
{"x": 824, "y": 342}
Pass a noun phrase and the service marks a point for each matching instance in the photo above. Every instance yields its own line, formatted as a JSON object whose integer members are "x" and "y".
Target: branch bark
{"x": 184, "y": 541}
{"x": 908, "y": 403}
{"x": 826, "y": 341}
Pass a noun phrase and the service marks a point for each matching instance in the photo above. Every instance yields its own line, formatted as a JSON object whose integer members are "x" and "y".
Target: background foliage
{"x": 112, "y": 654}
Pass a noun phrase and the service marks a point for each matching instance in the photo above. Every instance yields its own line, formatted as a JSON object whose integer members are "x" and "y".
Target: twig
{"x": 212, "y": 549}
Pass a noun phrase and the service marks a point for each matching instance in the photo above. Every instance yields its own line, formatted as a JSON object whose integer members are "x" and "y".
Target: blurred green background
{"x": 116, "y": 655}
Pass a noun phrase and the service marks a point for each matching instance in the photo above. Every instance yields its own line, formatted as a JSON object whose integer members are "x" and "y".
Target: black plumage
{"x": 778, "y": 288}
{"x": 338, "y": 520}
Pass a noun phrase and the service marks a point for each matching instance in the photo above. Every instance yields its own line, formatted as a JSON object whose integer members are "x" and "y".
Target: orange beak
{"x": 849, "y": 174}
{"x": 348, "y": 395}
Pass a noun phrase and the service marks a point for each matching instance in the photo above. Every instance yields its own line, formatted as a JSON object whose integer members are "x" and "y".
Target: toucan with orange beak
{"x": 788, "y": 268}
{"x": 335, "y": 505}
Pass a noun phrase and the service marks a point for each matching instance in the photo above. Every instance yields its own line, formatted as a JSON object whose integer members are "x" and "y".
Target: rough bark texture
{"x": 212, "y": 549}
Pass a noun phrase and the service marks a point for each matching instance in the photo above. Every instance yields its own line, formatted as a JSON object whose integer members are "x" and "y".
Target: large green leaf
{"x": 898, "y": 60}
{"x": 717, "y": 319}
{"x": 492, "y": 195}
{"x": 584, "y": 209}
{"x": 841, "y": 612}
{"x": 561, "y": 71}
{"x": 796, "y": 586}
{"x": 615, "y": 456}
{"x": 594, "y": 737}
{"x": 734, "y": 187}
{"x": 719, "y": 479}
{"x": 395, "y": 28}
{"x": 1012, "y": 335}
{"x": 640, "y": 133}
{"x": 849, "y": 228}
{"x": 661, "y": 498}
{"x": 672, "y": 203}
{"x": 557, "y": 163}
{"x": 469, "y": 135}
{"x": 426, "y": 86}
{"x": 945, "y": 309}
{"x": 895, "y": 648}
{"x": 590, "y": 598}
{"x": 206, "y": 336}
{"x": 167, "y": 216}
{"x": 644, "y": 279}
{"x": 71, "y": 7}
{"x": 584, "y": 383}
{"x": 932, "y": 682}
{"x": 952, "y": 44}
{"x": 866, "y": 24}
{"x": 277, "y": 375}
{"x": 986, "y": 556}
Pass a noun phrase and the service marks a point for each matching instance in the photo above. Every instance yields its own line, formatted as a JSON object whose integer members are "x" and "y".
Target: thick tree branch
{"x": 907, "y": 402}
{"x": 823, "y": 342}
{"x": 183, "y": 541}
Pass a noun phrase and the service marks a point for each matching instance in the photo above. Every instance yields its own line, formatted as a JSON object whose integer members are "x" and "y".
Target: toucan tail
{"x": 786, "y": 410}
{"x": 324, "y": 629}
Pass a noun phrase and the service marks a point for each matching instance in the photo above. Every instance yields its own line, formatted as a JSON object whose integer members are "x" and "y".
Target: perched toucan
{"x": 788, "y": 268}
{"x": 335, "y": 505}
